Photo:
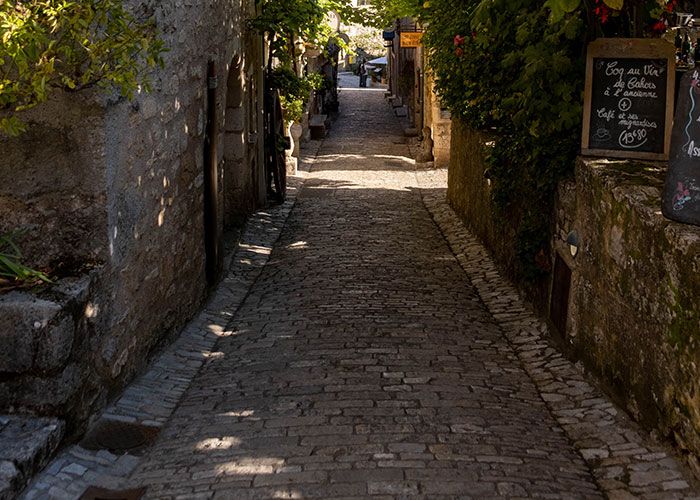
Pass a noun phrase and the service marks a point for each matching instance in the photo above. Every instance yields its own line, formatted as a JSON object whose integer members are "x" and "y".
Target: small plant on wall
{"x": 70, "y": 45}
{"x": 13, "y": 273}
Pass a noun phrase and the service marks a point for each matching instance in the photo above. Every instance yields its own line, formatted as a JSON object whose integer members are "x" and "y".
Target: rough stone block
{"x": 291, "y": 165}
{"x": 26, "y": 444}
{"x": 401, "y": 111}
{"x": 54, "y": 347}
{"x": 25, "y": 319}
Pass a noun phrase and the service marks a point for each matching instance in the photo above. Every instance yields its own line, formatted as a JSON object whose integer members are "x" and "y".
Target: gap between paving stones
{"x": 153, "y": 397}
{"x": 622, "y": 458}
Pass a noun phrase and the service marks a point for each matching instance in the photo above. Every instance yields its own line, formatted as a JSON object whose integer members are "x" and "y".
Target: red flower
{"x": 473, "y": 35}
{"x": 602, "y": 13}
{"x": 458, "y": 40}
{"x": 658, "y": 27}
{"x": 459, "y": 52}
{"x": 671, "y": 5}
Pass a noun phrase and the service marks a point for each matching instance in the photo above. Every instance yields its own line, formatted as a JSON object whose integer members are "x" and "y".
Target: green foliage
{"x": 367, "y": 41}
{"x": 12, "y": 271}
{"x": 295, "y": 91}
{"x": 316, "y": 81}
{"x": 284, "y": 20}
{"x": 516, "y": 68}
{"x": 69, "y": 45}
{"x": 506, "y": 66}
{"x": 384, "y": 13}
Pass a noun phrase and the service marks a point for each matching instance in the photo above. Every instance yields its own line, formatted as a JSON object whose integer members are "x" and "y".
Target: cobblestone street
{"x": 378, "y": 354}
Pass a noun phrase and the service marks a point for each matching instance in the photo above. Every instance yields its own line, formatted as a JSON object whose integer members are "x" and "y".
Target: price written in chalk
{"x": 628, "y": 104}
{"x": 628, "y": 98}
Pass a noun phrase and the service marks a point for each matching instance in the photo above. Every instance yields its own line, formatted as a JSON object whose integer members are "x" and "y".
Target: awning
{"x": 379, "y": 61}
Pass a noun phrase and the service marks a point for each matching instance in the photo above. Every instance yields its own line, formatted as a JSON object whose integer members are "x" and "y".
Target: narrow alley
{"x": 364, "y": 363}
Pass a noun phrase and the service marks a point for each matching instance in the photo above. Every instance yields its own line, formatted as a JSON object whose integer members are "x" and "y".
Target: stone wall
{"x": 634, "y": 308}
{"x": 438, "y": 119}
{"x": 52, "y": 184}
{"x": 469, "y": 192}
{"x": 118, "y": 185}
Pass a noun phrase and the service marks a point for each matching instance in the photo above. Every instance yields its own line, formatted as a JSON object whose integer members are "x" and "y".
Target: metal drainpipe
{"x": 211, "y": 182}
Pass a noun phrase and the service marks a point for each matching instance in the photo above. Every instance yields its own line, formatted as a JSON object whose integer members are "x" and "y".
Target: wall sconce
{"x": 573, "y": 243}
{"x": 487, "y": 176}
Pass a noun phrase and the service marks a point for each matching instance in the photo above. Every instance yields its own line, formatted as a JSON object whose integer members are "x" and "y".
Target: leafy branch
{"x": 70, "y": 45}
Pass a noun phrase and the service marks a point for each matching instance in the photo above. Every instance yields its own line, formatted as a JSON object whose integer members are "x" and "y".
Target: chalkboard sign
{"x": 681, "y": 199}
{"x": 628, "y": 103}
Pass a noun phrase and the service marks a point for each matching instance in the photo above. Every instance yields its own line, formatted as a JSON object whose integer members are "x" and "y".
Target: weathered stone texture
{"x": 52, "y": 185}
{"x": 26, "y": 444}
{"x": 119, "y": 185}
{"x": 469, "y": 192}
{"x": 439, "y": 121}
{"x": 635, "y": 314}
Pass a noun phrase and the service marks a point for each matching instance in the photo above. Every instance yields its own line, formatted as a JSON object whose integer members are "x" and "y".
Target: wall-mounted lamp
{"x": 487, "y": 176}
{"x": 573, "y": 243}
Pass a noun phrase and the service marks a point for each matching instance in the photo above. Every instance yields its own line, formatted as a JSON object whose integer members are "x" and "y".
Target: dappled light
{"x": 218, "y": 443}
{"x": 298, "y": 245}
{"x": 294, "y": 301}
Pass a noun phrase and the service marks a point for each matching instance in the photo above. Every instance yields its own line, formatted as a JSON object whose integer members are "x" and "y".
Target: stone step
{"x": 318, "y": 126}
{"x": 26, "y": 445}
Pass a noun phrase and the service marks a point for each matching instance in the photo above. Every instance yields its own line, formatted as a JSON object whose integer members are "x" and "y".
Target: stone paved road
{"x": 363, "y": 363}
{"x": 358, "y": 360}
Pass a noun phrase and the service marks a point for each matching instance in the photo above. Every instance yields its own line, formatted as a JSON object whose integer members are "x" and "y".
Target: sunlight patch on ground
{"x": 246, "y": 466}
{"x": 256, "y": 249}
{"x": 218, "y": 330}
{"x": 289, "y": 493}
{"x": 240, "y": 413}
{"x": 405, "y": 159}
{"x": 222, "y": 443}
{"x": 213, "y": 355}
{"x": 298, "y": 244}
{"x": 335, "y": 157}
{"x": 368, "y": 89}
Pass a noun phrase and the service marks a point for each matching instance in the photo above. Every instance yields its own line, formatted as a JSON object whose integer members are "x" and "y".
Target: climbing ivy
{"x": 69, "y": 45}
{"x": 516, "y": 69}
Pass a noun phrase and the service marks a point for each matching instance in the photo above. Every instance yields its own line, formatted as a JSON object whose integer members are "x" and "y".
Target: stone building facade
{"x": 112, "y": 195}
{"x": 412, "y": 82}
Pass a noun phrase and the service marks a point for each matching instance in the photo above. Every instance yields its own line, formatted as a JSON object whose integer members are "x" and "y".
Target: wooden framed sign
{"x": 411, "y": 39}
{"x": 628, "y": 100}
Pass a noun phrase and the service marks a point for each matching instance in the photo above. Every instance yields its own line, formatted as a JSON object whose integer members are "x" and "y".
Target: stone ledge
{"x": 26, "y": 445}
{"x": 634, "y": 315}
{"x": 40, "y": 340}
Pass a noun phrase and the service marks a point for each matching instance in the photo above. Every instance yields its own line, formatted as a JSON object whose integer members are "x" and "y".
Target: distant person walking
{"x": 362, "y": 71}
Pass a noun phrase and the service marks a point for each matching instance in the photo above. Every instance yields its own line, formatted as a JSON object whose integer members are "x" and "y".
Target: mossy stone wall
{"x": 635, "y": 298}
{"x": 634, "y": 305}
